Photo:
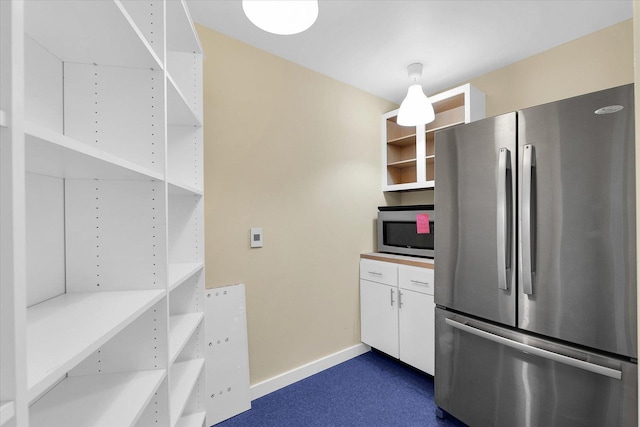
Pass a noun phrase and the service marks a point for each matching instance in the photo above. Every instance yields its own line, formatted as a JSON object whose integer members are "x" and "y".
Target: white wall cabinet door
{"x": 379, "y": 316}
{"x": 417, "y": 332}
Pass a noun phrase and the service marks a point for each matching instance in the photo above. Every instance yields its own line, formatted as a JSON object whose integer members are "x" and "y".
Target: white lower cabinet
{"x": 379, "y": 316}
{"x": 416, "y": 332}
{"x": 397, "y": 316}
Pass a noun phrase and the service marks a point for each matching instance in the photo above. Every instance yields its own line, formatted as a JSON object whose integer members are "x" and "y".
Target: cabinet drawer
{"x": 416, "y": 279}
{"x": 377, "y": 271}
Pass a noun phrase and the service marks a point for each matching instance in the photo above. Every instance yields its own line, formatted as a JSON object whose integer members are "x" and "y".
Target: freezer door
{"x": 491, "y": 376}
{"x": 475, "y": 218}
{"x": 577, "y": 273}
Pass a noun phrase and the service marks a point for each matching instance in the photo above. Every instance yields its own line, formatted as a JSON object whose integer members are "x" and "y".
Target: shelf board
{"x": 97, "y": 400}
{"x": 192, "y": 420}
{"x": 181, "y": 328}
{"x": 51, "y": 153}
{"x": 180, "y": 272}
{"x": 180, "y": 188}
{"x": 181, "y": 34}
{"x": 430, "y": 156}
{"x": 7, "y": 412}
{"x": 184, "y": 376}
{"x": 409, "y": 186}
{"x": 403, "y": 140}
{"x": 56, "y": 339}
{"x": 403, "y": 164}
{"x": 89, "y": 32}
{"x": 179, "y": 113}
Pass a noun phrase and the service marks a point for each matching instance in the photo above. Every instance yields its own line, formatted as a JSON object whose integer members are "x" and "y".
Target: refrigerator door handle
{"x": 577, "y": 363}
{"x": 528, "y": 222}
{"x": 503, "y": 217}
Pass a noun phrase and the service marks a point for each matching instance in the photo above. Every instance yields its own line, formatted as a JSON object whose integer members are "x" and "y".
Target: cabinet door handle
{"x": 400, "y": 299}
{"x": 392, "y": 301}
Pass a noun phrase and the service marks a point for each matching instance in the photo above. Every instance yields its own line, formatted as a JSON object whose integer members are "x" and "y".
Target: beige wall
{"x": 597, "y": 61}
{"x": 296, "y": 153}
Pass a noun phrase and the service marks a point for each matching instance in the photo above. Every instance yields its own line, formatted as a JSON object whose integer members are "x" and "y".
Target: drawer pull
{"x": 417, "y": 282}
{"x": 375, "y": 273}
{"x": 536, "y": 351}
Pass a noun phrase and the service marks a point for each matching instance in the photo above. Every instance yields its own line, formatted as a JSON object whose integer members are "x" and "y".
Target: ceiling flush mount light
{"x": 284, "y": 17}
{"x": 416, "y": 109}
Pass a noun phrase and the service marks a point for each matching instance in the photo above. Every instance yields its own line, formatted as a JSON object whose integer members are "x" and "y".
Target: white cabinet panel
{"x": 43, "y": 86}
{"x": 227, "y": 353}
{"x": 45, "y": 238}
{"x": 381, "y": 272}
{"x": 417, "y": 333}
{"x": 416, "y": 279}
{"x": 118, "y": 110}
{"x": 379, "y": 316}
{"x": 115, "y": 237}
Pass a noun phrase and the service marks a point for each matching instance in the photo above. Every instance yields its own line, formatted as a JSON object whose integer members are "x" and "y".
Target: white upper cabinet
{"x": 408, "y": 153}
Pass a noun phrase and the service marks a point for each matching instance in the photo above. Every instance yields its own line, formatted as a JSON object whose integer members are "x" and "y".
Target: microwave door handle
{"x": 528, "y": 222}
{"x": 503, "y": 212}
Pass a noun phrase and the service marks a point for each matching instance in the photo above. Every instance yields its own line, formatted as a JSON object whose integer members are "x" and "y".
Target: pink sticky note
{"x": 422, "y": 223}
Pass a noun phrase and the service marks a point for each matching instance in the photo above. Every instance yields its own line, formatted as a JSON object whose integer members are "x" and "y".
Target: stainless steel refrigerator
{"x": 535, "y": 266}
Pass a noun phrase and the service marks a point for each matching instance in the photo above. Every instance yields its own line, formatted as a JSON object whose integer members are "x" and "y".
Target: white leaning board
{"x": 227, "y": 353}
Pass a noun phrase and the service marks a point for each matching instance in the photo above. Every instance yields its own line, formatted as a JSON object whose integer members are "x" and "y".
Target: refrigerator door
{"x": 577, "y": 245}
{"x": 475, "y": 217}
{"x": 491, "y": 376}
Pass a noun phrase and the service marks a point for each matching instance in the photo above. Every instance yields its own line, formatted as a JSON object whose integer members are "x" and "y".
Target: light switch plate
{"x": 256, "y": 237}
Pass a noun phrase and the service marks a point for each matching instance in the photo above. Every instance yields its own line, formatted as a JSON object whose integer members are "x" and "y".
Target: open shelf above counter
{"x": 408, "y": 152}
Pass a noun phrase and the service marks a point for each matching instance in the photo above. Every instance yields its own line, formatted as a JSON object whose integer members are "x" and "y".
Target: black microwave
{"x": 406, "y": 230}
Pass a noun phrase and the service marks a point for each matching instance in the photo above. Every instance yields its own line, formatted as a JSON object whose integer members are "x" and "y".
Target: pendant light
{"x": 283, "y": 17}
{"x": 416, "y": 109}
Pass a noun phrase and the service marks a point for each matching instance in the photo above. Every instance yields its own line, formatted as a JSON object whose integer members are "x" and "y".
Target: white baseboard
{"x": 272, "y": 384}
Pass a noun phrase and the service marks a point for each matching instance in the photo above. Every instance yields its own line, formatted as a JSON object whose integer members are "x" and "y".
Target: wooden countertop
{"x": 399, "y": 259}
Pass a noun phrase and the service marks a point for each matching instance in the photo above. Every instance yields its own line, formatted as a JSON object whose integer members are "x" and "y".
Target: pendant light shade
{"x": 283, "y": 17}
{"x": 416, "y": 109}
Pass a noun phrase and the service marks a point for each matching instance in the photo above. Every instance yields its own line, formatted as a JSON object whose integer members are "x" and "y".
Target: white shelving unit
{"x": 101, "y": 198}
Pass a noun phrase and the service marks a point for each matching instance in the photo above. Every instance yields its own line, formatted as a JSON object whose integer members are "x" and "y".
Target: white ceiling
{"x": 369, "y": 43}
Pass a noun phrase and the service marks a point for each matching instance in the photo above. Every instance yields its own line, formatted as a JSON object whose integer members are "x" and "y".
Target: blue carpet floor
{"x": 370, "y": 390}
